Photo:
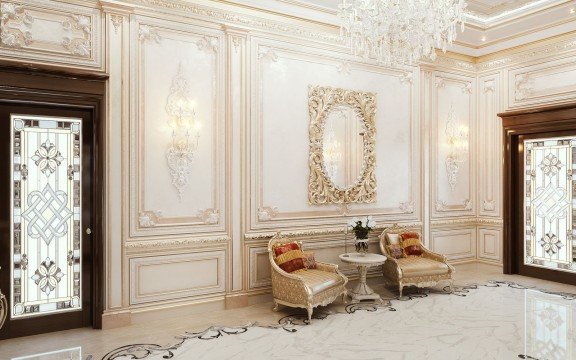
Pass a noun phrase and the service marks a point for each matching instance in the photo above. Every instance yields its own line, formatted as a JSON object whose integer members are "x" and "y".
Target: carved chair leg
{"x": 275, "y": 306}
{"x": 451, "y": 286}
{"x": 310, "y": 309}
{"x": 344, "y": 295}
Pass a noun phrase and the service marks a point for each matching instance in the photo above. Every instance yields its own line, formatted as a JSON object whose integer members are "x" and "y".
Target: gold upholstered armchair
{"x": 305, "y": 288}
{"x": 425, "y": 270}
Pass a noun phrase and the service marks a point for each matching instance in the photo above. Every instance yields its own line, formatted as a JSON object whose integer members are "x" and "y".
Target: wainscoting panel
{"x": 546, "y": 82}
{"x": 169, "y": 277}
{"x": 51, "y": 32}
{"x": 166, "y": 55}
{"x": 453, "y": 111}
{"x": 490, "y": 244}
{"x": 456, "y": 244}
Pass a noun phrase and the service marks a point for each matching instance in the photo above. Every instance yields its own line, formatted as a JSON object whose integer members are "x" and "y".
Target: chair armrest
{"x": 434, "y": 256}
{"x": 326, "y": 267}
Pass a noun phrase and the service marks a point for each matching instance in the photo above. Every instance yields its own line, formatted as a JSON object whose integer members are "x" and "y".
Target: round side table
{"x": 362, "y": 291}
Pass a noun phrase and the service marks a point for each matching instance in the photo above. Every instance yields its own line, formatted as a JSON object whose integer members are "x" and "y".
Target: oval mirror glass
{"x": 343, "y": 146}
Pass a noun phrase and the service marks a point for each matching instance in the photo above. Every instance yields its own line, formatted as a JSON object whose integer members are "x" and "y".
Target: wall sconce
{"x": 457, "y": 144}
{"x": 185, "y": 132}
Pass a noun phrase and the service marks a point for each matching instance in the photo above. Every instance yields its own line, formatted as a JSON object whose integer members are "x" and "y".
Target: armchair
{"x": 422, "y": 271}
{"x": 306, "y": 288}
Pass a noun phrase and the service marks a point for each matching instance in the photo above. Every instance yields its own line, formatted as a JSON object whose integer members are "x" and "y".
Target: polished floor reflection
{"x": 496, "y": 321}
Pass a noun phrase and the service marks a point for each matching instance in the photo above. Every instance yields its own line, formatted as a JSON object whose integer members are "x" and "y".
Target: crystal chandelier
{"x": 397, "y": 32}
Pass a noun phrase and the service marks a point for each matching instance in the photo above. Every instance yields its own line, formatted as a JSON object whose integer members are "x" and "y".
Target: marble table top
{"x": 363, "y": 259}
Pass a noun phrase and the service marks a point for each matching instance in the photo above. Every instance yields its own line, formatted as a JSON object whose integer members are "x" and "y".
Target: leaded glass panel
{"x": 549, "y": 192}
{"x": 46, "y": 218}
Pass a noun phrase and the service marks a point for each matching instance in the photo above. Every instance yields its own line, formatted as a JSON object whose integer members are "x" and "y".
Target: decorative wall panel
{"x": 543, "y": 83}
{"x": 46, "y": 203}
{"x": 281, "y": 74}
{"x": 456, "y": 244}
{"x": 183, "y": 193}
{"x": 490, "y": 244}
{"x": 169, "y": 277}
{"x": 453, "y": 111}
{"x": 489, "y": 169}
{"x": 549, "y": 189}
{"x": 51, "y": 32}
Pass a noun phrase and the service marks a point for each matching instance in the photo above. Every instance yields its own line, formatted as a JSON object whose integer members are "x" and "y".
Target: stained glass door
{"x": 549, "y": 198}
{"x": 47, "y": 171}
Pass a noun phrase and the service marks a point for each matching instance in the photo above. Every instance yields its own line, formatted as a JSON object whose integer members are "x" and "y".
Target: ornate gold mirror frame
{"x": 321, "y": 189}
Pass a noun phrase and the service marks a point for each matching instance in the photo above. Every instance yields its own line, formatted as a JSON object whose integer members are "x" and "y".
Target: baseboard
{"x": 114, "y": 320}
{"x": 235, "y": 301}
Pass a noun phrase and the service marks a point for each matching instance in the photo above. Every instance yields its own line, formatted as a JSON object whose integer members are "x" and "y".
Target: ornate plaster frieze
{"x": 489, "y": 221}
{"x": 218, "y": 15}
{"x": 449, "y": 62}
{"x": 447, "y": 222}
{"x": 540, "y": 52}
{"x": 209, "y": 216}
{"x": 267, "y": 213}
{"x": 236, "y": 41}
{"x": 440, "y": 83}
{"x": 143, "y": 244}
{"x": 149, "y": 218}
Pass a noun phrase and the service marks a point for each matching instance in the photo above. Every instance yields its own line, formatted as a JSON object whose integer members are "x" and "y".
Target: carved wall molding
{"x": 523, "y": 86}
{"x": 321, "y": 189}
{"x": 148, "y": 33}
{"x": 443, "y": 206}
{"x": 208, "y": 44}
{"x": 45, "y": 31}
{"x": 407, "y": 207}
{"x": 267, "y": 213}
{"x": 162, "y": 243}
{"x": 344, "y": 68}
{"x": 209, "y": 216}
{"x": 489, "y": 205}
{"x": 328, "y": 231}
{"x": 489, "y": 221}
{"x": 406, "y": 78}
{"x": 117, "y": 21}
{"x": 267, "y": 54}
{"x": 148, "y": 219}
{"x": 448, "y": 222}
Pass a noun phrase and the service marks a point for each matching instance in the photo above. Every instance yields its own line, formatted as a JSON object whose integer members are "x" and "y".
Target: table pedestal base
{"x": 362, "y": 291}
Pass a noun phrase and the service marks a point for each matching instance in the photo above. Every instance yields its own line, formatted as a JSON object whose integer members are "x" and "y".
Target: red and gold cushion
{"x": 409, "y": 235}
{"x": 309, "y": 260}
{"x": 412, "y": 246}
{"x": 395, "y": 250}
{"x": 289, "y": 257}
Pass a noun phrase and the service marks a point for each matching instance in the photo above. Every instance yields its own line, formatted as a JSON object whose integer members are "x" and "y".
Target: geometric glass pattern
{"x": 46, "y": 218}
{"x": 549, "y": 192}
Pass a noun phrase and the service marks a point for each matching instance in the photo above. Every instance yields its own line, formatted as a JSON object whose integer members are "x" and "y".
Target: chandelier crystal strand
{"x": 400, "y": 32}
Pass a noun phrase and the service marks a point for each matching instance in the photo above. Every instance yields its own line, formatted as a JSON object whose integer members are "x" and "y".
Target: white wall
{"x": 249, "y": 75}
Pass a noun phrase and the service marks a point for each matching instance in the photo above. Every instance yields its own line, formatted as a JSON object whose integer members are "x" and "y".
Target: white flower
{"x": 371, "y": 223}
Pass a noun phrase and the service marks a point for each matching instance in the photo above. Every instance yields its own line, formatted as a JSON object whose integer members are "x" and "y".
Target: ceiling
{"x": 491, "y": 25}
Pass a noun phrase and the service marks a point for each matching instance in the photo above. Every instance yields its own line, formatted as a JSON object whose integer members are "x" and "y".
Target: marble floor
{"x": 69, "y": 344}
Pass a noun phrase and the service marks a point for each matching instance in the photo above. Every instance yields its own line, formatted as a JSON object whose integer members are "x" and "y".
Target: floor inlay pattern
{"x": 497, "y": 319}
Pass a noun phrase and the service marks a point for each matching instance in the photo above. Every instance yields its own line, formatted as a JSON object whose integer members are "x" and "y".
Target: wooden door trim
{"x": 25, "y": 84}
{"x": 515, "y": 124}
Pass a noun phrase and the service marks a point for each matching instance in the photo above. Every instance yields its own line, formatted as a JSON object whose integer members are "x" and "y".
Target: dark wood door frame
{"x": 31, "y": 85}
{"x": 560, "y": 119}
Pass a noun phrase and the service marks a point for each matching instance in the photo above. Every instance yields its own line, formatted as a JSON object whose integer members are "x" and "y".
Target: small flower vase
{"x": 361, "y": 246}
